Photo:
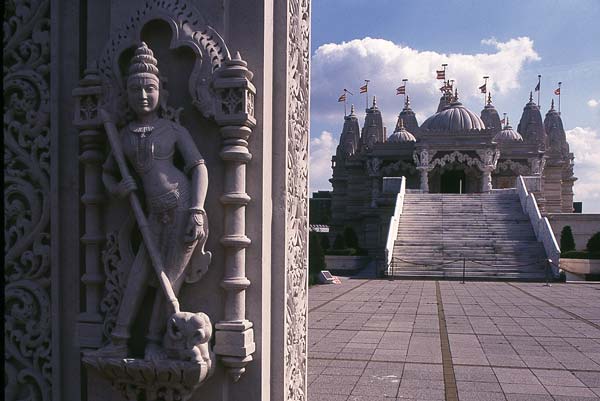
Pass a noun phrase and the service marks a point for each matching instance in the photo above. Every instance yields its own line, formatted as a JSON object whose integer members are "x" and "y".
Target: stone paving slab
{"x": 377, "y": 340}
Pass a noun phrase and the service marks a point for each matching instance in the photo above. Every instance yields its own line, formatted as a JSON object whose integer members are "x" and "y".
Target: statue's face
{"x": 142, "y": 94}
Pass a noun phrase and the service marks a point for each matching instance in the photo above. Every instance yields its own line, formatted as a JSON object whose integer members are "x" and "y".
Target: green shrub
{"x": 339, "y": 242}
{"x": 350, "y": 238}
{"x": 316, "y": 257}
{"x": 593, "y": 245}
{"x": 567, "y": 242}
{"x": 343, "y": 252}
{"x": 580, "y": 255}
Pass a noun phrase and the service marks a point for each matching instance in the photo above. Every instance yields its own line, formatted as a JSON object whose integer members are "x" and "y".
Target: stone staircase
{"x": 489, "y": 231}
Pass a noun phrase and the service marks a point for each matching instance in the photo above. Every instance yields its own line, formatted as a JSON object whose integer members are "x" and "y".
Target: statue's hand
{"x": 125, "y": 187}
{"x": 195, "y": 228}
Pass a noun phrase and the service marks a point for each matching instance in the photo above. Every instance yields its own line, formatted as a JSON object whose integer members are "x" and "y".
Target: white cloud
{"x": 344, "y": 65}
{"x": 584, "y": 143}
{"x": 322, "y": 149}
{"x": 593, "y": 103}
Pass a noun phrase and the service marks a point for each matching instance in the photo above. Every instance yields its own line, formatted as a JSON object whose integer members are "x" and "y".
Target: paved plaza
{"x": 372, "y": 340}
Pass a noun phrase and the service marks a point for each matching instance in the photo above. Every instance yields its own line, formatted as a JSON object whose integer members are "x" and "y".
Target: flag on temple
{"x": 363, "y": 89}
{"x": 483, "y": 88}
{"x": 401, "y": 90}
{"x": 537, "y": 87}
{"x": 342, "y": 98}
{"x": 557, "y": 91}
{"x": 441, "y": 74}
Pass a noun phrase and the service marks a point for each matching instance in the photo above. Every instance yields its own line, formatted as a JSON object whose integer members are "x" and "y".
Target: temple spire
{"x": 530, "y": 96}
{"x": 489, "y": 100}
{"x": 351, "y": 109}
{"x": 374, "y": 101}
{"x": 552, "y": 105}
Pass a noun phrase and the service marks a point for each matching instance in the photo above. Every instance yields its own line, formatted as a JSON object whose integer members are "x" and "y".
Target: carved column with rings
{"x": 87, "y": 120}
{"x": 235, "y": 115}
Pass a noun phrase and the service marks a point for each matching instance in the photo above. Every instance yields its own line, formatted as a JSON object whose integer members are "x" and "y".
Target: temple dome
{"x": 401, "y": 134}
{"x": 508, "y": 134}
{"x": 454, "y": 118}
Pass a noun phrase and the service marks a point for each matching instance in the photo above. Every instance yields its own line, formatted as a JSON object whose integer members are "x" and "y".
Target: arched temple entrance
{"x": 453, "y": 182}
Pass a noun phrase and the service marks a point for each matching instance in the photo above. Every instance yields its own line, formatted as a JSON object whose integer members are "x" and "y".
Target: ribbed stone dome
{"x": 454, "y": 118}
{"x": 401, "y": 134}
{"x": 508, "y": 134}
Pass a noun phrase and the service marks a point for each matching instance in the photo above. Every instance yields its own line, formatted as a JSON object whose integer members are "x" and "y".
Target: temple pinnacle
{"x": 489, "y": 100}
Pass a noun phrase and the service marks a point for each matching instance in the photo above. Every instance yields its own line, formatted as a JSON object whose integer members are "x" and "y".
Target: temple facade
{"x": 453, "y": 151}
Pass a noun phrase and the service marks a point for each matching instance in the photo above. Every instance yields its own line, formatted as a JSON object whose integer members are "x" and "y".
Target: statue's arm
{"x": 116, "y": 188}
{"x": 194, "y": 167}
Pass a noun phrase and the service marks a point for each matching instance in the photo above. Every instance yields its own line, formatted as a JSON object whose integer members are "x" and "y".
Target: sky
{"x": 511, "y": 41}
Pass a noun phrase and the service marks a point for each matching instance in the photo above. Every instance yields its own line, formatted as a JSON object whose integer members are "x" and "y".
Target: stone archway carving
{"x": 188, "y": 29}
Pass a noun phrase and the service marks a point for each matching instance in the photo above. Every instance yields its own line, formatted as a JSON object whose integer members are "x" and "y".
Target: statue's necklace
{"x": 143, "y": 130}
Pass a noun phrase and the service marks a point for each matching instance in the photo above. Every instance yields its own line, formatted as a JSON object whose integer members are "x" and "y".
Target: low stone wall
{"x": 346, "y": 263}
{"x": 577, "y": 269}
{"x": 582, "y": 225}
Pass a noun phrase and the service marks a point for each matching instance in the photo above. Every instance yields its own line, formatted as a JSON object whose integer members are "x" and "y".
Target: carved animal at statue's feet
{"x": 187, "y": 338}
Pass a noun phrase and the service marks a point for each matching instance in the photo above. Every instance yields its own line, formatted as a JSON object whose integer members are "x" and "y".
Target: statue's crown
{"x": 143, "y": 62}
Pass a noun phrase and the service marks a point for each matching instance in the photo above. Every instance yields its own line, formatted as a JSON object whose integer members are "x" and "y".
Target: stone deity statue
{"x": 174, "y": 204}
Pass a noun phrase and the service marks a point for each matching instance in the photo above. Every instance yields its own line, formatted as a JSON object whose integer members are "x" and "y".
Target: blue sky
{"x": 512, "y": 41}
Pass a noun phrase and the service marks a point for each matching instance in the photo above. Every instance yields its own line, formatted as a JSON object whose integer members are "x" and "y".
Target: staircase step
{"x": 489, "y": 231}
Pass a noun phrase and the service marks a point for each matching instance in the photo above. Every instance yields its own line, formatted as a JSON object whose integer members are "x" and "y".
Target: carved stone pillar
{"x": 235, "y": 115}
{"x": 486, "y": 182}
{"x": 422, "y": 160}
{"x": 424, "y": 176}
{"x": 488, "y": 160}
{"x": 87, "y": 120}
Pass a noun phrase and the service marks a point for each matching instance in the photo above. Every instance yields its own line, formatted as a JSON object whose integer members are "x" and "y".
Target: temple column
{"x": 487, "y": 179}
{"x": 424, "y": 175}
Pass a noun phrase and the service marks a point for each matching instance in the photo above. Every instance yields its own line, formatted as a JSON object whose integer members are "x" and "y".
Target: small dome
{"x": 454, "y": 118}
{"x": 401, "y": 134}
{"x": 508, "y": 134}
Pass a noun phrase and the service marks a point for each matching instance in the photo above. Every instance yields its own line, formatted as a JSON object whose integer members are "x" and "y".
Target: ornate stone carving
{"x": 515, "y": 167}
{"x": 398, "y": 166}
{"x": 189, "y": 29}
{"x": 234, "y": 339}
{"x": 296, "y": 324}
{"x": 489, "y": 158}
{"x": 455, "y": 156}
{"x": 27, "y": 324}
{"x": 373, "y": 166}
{"x": 423, "y": 161}
{"x": 175, "y": 230}
{"x": 139, "y": 379}
{"x": 537, "y": 165}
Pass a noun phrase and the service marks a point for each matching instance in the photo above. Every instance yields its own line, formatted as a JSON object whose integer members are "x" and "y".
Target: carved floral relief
{"x": 27, "y": 300}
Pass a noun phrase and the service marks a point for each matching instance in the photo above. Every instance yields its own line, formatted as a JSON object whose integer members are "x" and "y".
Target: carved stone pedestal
{"x": 140, "y": 379}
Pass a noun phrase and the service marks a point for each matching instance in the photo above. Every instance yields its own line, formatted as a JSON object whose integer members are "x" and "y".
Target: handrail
{"x": 541, "y": 225}
{"x": 394, "y": 221}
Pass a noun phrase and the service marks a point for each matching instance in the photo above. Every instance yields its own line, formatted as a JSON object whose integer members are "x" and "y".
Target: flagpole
{"x": 345, "y": 92}
{"x": 405, "y": 81}
{"x": 559, "y": 93}
{"x": 540, "y": 90}
{"x": 367, "y": 93}
{"x": 485, "y": 87}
